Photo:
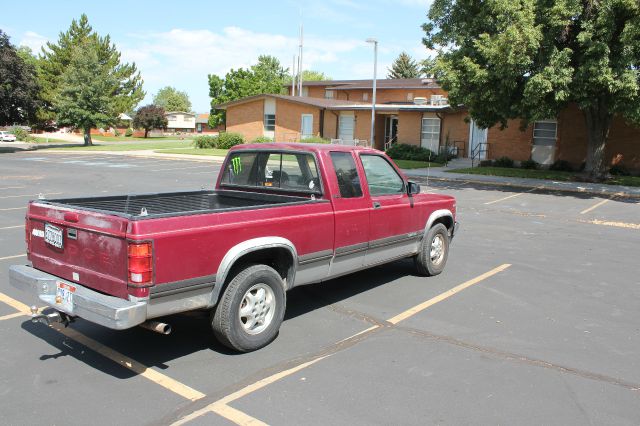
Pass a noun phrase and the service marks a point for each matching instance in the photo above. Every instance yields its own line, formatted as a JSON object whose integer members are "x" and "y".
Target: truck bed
{"x": 147, "y": 206}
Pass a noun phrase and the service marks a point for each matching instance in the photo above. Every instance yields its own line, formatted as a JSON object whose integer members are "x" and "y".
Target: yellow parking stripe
{"x": 30, "y": 195}
{"x": 12, "y": 227}
{"x": 236, "y": 416}
{"x": 10, "y": 316}
{"x": 13, "y": 208}
{"x": 585, "y": 211}
{"x": 422, "y": 306}
{"x": 115, "y": 356}
{"x": 512, "y": 196}
{"x": 13, "y": 257}
{"x": 610, "y": 223}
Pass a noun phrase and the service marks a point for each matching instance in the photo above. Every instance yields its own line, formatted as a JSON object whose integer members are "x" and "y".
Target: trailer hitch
{"x": 48, "y": 319}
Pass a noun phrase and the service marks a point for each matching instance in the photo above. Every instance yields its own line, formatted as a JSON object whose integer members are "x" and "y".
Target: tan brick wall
{"x": 409, "y": 127}
{"x": 624, "y": 139}
{"x": 246, "y": 119}
{"x": 331, "y": 124}
{"x": 510, "y": 142}
{"x": 362, "y": 125}
{"x": 454, "y": 125}
{"x": 289, "y": 120}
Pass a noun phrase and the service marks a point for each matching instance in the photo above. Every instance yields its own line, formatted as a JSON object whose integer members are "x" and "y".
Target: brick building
{"x": 417, "y": 112}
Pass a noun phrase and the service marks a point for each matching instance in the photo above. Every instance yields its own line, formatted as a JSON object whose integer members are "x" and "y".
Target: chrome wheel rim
{"x": 436, "y": 253}
{"x": 257, "y": 309}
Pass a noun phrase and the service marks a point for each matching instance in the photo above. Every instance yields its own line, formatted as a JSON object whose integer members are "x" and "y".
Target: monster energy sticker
{"x": 237, "y": 165}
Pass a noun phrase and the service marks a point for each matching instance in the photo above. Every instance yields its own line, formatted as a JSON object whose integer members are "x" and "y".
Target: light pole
{"x": 373, "y": 100}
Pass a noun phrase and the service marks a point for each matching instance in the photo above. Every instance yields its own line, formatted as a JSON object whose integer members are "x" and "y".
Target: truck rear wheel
{"x": 251, "y": 309}
{"x": 434, "y": 251}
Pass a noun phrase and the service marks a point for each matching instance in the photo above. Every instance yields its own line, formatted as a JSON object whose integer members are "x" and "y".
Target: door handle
{"x": 376, "y": 205}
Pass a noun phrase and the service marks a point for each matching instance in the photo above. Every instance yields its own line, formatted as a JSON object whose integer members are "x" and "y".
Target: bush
{"x": 486, "y": 163}
{"x": 530, "y": 164}
{"x": 262, "y": 139}
{"x": 116, "y": 133}
{"x": 129, "y": 132}
{"x": 205, "y": 141}
{"x": 503, "y": 162}
{"x": 561, "y": 166}
{"x": 403, "y": 151}
{"x": 618, "y": 170}
{"x": 228, "y": 140}
{"x": 22, "y": 134}
{"x": 315, "y": 139}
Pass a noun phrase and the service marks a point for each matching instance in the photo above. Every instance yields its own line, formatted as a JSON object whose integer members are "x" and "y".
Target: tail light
{"x": 140, "y": 271}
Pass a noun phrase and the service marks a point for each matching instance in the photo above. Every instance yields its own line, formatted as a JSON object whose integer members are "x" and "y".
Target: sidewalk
{"x": 598, "y": 189}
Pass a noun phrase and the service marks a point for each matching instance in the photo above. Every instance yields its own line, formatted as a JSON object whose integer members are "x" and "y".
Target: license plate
{"x": 53, "y": 235}
{"x": 64, "y": 296}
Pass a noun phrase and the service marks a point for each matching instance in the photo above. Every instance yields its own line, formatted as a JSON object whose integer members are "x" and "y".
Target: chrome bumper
{"x": 108, "y": 311}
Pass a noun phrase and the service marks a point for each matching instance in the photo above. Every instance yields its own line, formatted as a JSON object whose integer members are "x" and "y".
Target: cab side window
{"x": 346, "y": 174}
{"x": 382, "y": 178}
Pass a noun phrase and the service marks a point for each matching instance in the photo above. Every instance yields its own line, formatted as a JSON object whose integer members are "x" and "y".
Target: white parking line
{"x": 183, "y": 168}
{"x": 13, "y": 208}
{"x": 12, "y": 227}
{"x": 30, "y": 195}
{"x": 12, "y": 187}
{"x": 13, "y": 257}
{"x": 511, "y": 196}
{"x": 585, "y": 211}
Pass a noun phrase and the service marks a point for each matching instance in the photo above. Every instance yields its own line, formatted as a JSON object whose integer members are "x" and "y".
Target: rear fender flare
{"x": 246, "y": 247}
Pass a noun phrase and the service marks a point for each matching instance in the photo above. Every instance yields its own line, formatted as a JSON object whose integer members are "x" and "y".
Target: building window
{"x": 430, "y": 133}
{"x": 365, "y": 96}
{"x": 329, "y": 94}
{"x": 545, "y": 132}
{"x": 305, "y": 91}
{"x": 269, "y": 122}
{"x": 171, "y": 117}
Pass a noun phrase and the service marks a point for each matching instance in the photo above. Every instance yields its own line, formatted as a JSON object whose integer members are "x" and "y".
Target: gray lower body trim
{"x": 181, "y": 296}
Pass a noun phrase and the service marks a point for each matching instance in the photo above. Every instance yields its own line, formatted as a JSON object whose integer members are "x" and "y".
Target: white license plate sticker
{"x": 64, "y": 296}
{"x": 53, "y": 235}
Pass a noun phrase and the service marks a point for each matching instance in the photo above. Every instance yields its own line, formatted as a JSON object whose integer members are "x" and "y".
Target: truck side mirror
{"x": 412, "y": 188}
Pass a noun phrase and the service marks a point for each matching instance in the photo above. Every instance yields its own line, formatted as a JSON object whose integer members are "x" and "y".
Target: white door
{"x": 477, "y": 135}
{"x": 345, "y": 126}
{"x": 306, "y": 126}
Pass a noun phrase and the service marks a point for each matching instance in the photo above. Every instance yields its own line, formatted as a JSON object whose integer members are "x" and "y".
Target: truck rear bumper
{"x": 108, "y": 311}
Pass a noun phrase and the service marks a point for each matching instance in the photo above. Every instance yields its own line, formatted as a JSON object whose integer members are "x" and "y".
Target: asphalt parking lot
{"x": 534, "y": 321}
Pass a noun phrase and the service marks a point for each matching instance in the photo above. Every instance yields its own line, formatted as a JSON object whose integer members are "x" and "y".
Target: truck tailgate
{"x": 89, "y": 248}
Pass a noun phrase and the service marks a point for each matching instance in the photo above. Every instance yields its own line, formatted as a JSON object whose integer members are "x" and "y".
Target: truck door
{"x": 393, "y": 221}
{"x": 351, "y": 209}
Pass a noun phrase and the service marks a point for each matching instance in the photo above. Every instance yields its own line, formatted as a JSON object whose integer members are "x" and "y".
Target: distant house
{"x": 180, "y": 121}
{"x": 202, "y": 125}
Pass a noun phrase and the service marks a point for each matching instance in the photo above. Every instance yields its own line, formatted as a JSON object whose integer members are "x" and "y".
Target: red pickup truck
{"x": 281, "y": 215}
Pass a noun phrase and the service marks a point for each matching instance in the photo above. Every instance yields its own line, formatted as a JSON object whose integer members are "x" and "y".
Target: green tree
{"x": 528, "y": 59}
{"x": 404, "y": 67}
{"x": 55, "y": 59}
{"x": 428, "y": 67}
{"x": 151, "y": 117}
{"x": 90, "y": 90}
{"x": 310, "y": 75}
{"x": 172, "y": 99}
{"x": 267, "y": 76}
{"x": 18, "y": 85}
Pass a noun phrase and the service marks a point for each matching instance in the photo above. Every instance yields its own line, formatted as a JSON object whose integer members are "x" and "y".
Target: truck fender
{"x": 437, "y": 214}
{"x": 246, "y": 247}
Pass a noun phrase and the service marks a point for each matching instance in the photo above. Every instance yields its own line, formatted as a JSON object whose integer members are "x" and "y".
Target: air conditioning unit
{"x": 419, "y": 100}
{"x": 436, "y": 99}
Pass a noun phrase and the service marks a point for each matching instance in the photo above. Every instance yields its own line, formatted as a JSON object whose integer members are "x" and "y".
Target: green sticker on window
{"x": 236, "y": 163}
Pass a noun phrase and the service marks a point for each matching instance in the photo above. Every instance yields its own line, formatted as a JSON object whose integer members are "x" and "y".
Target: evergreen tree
{"x": 404, "y": 67}
{"x": 56, "y": 58}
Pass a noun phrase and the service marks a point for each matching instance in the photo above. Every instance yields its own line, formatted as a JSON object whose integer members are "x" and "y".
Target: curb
{"x": 542, "y": 187}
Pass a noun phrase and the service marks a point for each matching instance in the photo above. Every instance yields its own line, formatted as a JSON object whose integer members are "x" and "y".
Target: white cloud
{"x": 33, "y": 40}
{"x": 183, "y": 58}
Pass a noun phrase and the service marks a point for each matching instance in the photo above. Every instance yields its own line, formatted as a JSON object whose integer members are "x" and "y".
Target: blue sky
{"x": 179, "y": 43}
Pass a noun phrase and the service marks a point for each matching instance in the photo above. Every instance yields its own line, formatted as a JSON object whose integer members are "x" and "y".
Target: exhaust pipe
{"x": 158, "y": 327}
{"x": 48, "y": 319}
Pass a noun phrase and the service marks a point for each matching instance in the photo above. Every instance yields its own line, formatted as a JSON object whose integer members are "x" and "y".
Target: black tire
{"x": 236, "y": 331}
{"x": 425, "y": 265}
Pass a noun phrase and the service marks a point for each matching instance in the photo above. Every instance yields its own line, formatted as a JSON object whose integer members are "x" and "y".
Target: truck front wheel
{"x": 434, "y": 251}
{"x": 251, "y": 309}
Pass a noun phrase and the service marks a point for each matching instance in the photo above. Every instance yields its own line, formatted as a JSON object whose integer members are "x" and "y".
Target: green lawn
{"x": 130, "y": 138}
{"x": 542, "y": 174}
{"x": 40, "y": 139}
{"x": 131, "y": 146}
{"x": 412, "y": 164}
{"x": 193, "y": 151}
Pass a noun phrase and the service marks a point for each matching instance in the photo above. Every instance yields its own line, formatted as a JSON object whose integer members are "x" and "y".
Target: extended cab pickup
{"x": 281, "y": 215}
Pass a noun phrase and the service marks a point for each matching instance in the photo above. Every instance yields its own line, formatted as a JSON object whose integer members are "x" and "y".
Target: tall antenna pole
{"x": 293, "y": 77}
{"x": 300, "y": 59}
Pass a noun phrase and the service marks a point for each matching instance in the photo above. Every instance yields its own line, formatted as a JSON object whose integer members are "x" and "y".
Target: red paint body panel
{"x": 190, "y": 246}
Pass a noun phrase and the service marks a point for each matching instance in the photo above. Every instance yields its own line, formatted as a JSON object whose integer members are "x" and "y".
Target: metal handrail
{"x": 389, "y": 143}
{"x": 478, "y": 150}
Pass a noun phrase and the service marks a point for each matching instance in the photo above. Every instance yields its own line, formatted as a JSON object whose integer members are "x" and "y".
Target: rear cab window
{"x": 346, "y": 174}
{"x": 272, "y": 170}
